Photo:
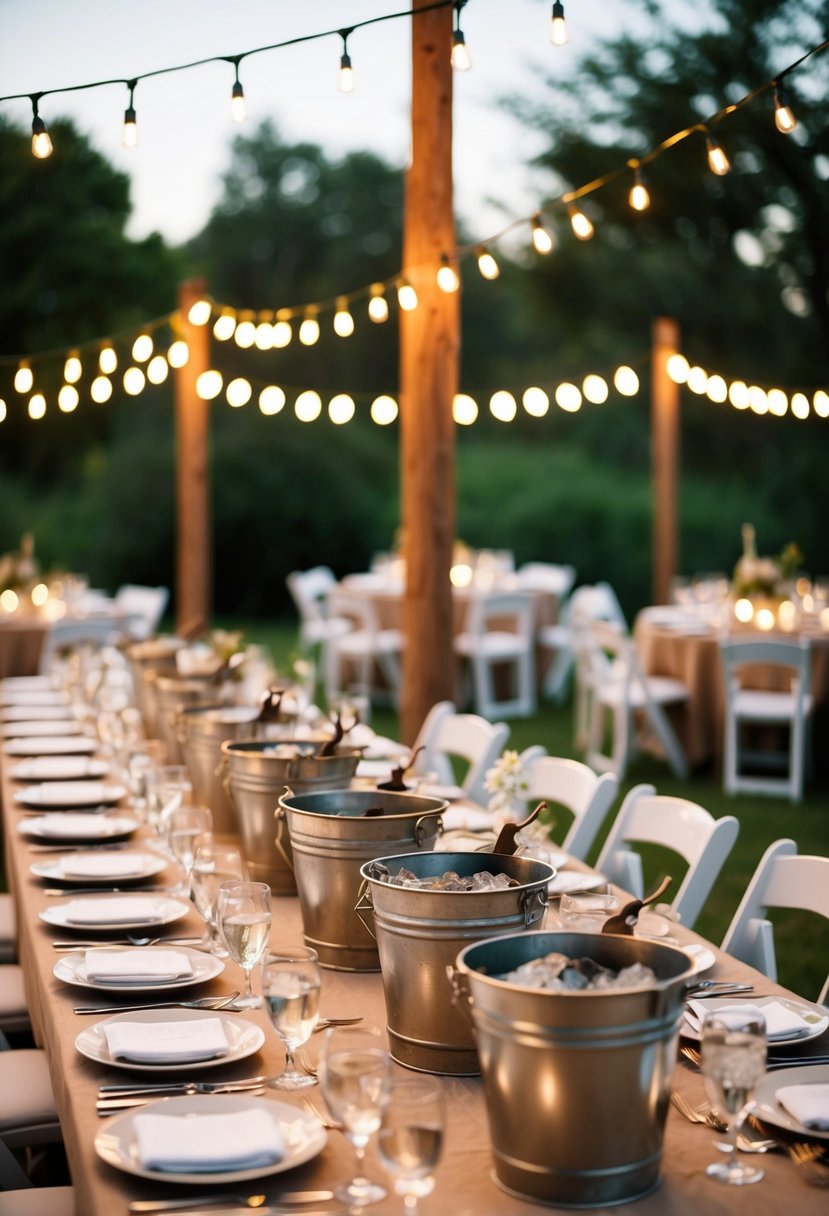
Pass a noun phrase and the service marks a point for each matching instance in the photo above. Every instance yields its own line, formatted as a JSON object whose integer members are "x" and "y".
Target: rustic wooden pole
{"x": 429, "y": 347}
{"x": 665, "y": 456}
{"x": 193, "y": 542}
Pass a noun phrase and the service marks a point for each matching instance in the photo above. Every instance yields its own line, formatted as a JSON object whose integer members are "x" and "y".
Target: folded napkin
{"x": 375, "y": 768}
{"x": 467, "y": 818}
{"x": 243, "y": 1140}
{"x": 107, "y": 865}
{"x": 781, "y": 1022}
{"x": 116, "y": 911}
{"x": 90, "y": 826}
{"x": 808, "y": 1103}
{"x": 166, "y": 1042}
{"x": 137, "y": 966}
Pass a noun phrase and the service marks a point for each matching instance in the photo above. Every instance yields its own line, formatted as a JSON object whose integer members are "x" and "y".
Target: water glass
{"x": 411, "y": 1136}
{"x": 213, "y": 864}
{"x": 586, "y": 912}
{"x": 733, "y": 1061}
{"x": 291, "y": 992}
{"x": 354, "y": 1072}
{"x": 185, "y": 824}
{"x": 244, "y": 915}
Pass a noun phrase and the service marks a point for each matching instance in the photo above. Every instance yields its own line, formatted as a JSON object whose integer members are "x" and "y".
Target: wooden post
{"x": 193, "y": 542}
{"x": 665, "y": 456}
{"x": 429, "y": 347}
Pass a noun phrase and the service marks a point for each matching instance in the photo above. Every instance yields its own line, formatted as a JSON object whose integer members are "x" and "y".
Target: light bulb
{"x": 271, "y": 400}
{"x": 23, "y": 378}
{"x": 68, "y": 398}
{"x": 346, "y": 81}
{"x": 541, "y": 238}
{"x": 738, "y": 395}
{"x": 142, "y": 348}
{"x": 595, "y": 389}
{"x": 134, "y": 381}
{"x": 199, "y": 313}
{"x": 639, "y": 198}
{"x": 535, "y": 402}
{"x": 3, "y": 410}
{"x": 383, "y": 410}
{"x": 41, "y": 143}
{"x": 716, "y": 390}
{"x": 626, "y": 381}
{"x": 309, "y": 330}
{"x": 697, "y": 380}
{"x": 178, "y": 354}
{"x": 107, "y": 360}
{"x": 580, "y": 223}
{"x": 225, "y": 327}
{"x": 800, "y": 405}
{"x": 778, "y": 402}
{"x": 820, "y": 403}
{"x": 406, "y": 295}
{"x": 568, "y": 397}
{"x": 718, "y": 162}
{"x": 245, "y": 335}
{"x": 37, "y": 406}
{"x": 677, "y": 368}
{"x": 209, "y": 385}
{"x": 341, "y": 409}
{"x": 487, "y": 265}
{"x": 282, "y": 332}
{"x": 464, "y": 409}
{"x": 264, "y": 336}
{"x": 460, "y": 55}
{"x": 238, "y": 392}
{"x": 378, "y": 305}
{"x": 158, "y": 369}
{"x": 308, "y": 406}
{"x": 238, "y": 105}
{"x": 784, "y": 118}
{"x": 447, "y": 276}
{"x": 100, "y": 390}
{"x": 558, "y": 26}
{"x": 502, "y": 406}
{"x": 72, "y": 369}
{"x": 129, "y": 137}
{"x": 343, "y": 320}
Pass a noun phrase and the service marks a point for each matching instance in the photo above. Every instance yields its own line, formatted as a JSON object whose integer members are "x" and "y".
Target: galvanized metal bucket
{"x": 145, "y": 661}
{"x": 332, "y": 835}
{"x": 201, "y": 731}
{"x": 576, "y": 1083}
{"x": 257, "y": 773}
{"x": 173, "y": 694}
{"x": 419, "y": 934}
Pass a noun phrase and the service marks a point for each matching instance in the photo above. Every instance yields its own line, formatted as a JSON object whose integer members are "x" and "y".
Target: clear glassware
{"x": 291, "y": 991}
{"x": 214, "y": 863}
{"x": 587, "y": 911}
{"x": 185, "y": 825}
{"x": 168, "y": 786}
{"x": 410, "y": 1138}
{"x": 354, "y": 1072}
{"x": 244, "y": 916}
{"x": 733, "y": 1061}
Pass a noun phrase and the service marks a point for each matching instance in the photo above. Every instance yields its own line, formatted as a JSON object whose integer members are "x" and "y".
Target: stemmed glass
{"x": 185, "y": 825}
{"x": 354, "y": 1073}
{"x": 733, "y": 1061}
{"x": 213, "y": 864}
{"x": 244, "y": 916}
{"x": 411, "y": 1137}
{"x": 291, "y": 990}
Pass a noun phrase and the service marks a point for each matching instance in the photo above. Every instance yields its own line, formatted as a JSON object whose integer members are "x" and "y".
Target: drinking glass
{"x": 411, "y": 1136}
{"x": 291, "y": 991}
{"x": 244, "y": 916}
{"x": 213, "y": 864}
{"x": 733, "y": 1061}
{"x": 185, "y": 824}
{"x": 586, "y": 912}
{"x": 168, "y": 786}
{"x": 354, "y": 1073}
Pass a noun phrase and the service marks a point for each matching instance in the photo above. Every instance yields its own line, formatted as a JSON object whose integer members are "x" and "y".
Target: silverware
{"x": 711, "y": 988}
{"x": 708, "y": 1116}
{"x": 286, "y": 1199}
{"x": 812, "y": 1160}
{"x": 161, "y": 1087}
{"x": 131, "y": 939}
{"x": 71, "y": 892}
{"x": 324, "y": 1023}
{"x": 332, "y": 1125}
{"x": 773, "y": 1062}
{"x": 112, "y": 1106}
{"x": 204, "y": 1002}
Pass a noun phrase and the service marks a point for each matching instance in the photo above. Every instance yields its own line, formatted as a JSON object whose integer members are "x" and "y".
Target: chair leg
{"x": 673, "y": 749}
{"x": 558, "y": 675}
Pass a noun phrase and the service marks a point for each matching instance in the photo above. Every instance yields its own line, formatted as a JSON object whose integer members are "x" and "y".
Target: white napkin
{"x": 137, "y": 966}
{"x": 79, "y": 826}
{"x": 106, "y": 865}
{"x": 808, "y": 1103}
{"x": 375, "y": 768}
{"x": 243, "y": 1140}
{"x": 467, "y": 818}
{"x": 116, "y": 911}
{"x": 166, "y": 1042}
{"x": 781, "y": 1022}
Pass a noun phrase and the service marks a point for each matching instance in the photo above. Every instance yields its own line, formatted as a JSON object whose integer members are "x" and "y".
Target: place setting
{"x": 104, "y": 912}
{"x": 137, "y": 969}
{"x": 68, "y": 827}
{"x": 177, "y": 1036}
{"x": 97, "y": 867}
{"x": 51, "y": 744}
{"x": 31, "y": 728}
{"x": 70, "y": 794}
{"x": 60, "y": 768}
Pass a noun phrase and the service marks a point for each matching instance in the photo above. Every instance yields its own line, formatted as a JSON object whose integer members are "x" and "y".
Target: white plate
{"x": 816, "y": 1018}
{"x": 35, "y": 713}
{"x": 71, "y": 794}
{"x": 769, "y": 1109}
{"x": 206, "y": 966}
{"x": 380, "y": 769}
{"x": 701, "y": 956}
{"x": 58, "y": 768}
{"x": 304, "y": 1136}
{"x": 573, "y": 880}
{"x": 166, "y": 911}
{"x": 80, "y": 827}
{"x": 146, "y": 865}
{"x": 27, "y": 684}
{"x": 244, "y": 1038}
{"x": 52, "y": 745}
{"x": 31, "y": 729}
{"x": 34, "y": 697}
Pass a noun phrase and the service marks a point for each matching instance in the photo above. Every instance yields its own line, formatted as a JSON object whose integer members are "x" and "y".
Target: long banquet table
{"x": 465, "y": 1185}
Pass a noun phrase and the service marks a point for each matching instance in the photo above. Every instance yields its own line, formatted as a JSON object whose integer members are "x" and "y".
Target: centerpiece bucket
{"x": 576, "y": 1083}
{"x": 332, "y": 835}
{"x": 145, "y": 660}
{"x": 173, "y": 694}
{"x": 201, "y": 731}
{"x": 419, "y": 933}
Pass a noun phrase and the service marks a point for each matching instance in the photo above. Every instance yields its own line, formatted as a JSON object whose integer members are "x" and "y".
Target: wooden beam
{"x": 429, "y": 349}
{"x": 665, "y": 456}
{"x": 193, "y": 540}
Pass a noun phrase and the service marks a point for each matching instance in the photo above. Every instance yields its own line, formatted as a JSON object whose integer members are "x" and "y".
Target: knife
{"x": 288, "y": 1198}
{"x": 131, "y": 1091}
{"x": 112, "y": 1106}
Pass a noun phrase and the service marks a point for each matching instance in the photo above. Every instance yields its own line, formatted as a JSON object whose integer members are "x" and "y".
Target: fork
{"x": 307, "y": 1063}
{"x": 693, "y": 1056}
{"x": 812, "y": 1160}
{"x": 706, "y": 1115}
{"x": 332, "y": 1125}
{"x": 110, "y": 1105}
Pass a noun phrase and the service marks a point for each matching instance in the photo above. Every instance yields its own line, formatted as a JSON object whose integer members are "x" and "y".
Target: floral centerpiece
{"x": 764, "y": 576}
{"x": 507, "y": 782}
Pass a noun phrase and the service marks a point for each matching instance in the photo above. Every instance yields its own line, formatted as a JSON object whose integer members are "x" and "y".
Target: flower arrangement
{"x": 507, "y": 782}
{"x": 766, "y": 576}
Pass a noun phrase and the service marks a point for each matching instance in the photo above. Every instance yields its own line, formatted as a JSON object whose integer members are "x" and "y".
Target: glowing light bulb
{"x": 158, "y": 369}
{"x": 406, "y": 295}
{"x": 639, "y": 198}
{"x": 447, "y": 276}
{"x": 718, "y": 162}
{"x": 282, "y": 332}
{"x": 238, "y": 105}
{"x": 239, "y": 392}
{"x": 9, "y": 600}
{"x": 37, "y": 406}
{"x": 134, "y": 381}
{"x": 738, "y": 395}
{"x": 245, "y": 335}
{"x": 784, "y": 118}
{"x": 40, "y": 594}
{"x": 378, "y": 305}
{"x": 72, "y": 369}
{"x": 677, "y": 368}
{"x": 568, "y": 397}
{"x": 178, "y": 354}
{"x": 460, "y": 53}
{"x": 697, "y": 379}
{"x": 800, "y": 405}
{"x": 820, "y": 403}
{"x": 225, "y": 327}
{"x": 129, "y": 136}
{"x": 308, "y": 406}
{"x": 757, "y": 399}
{"x": 581, "y": 224}
{"x": 541, "y": 238}
{"x": 199, "y": 313}
{"x": 3, "y": 410}
{"x": 271, "y": 399}
{"x": 716, "y": 390}
{"x": 487, "y": 265}
{"x": 626, "y": 381}
{"x": 68, "y": 398}
{"x": 100, "y": 390}
{"x": 558, "y": 26}
{"x": 535, "y": 402}
{"x": 41, "y": 142}
{"x": 107, "y": 360}
{"x": 744, "y": 611}
{"x": 23, "y": 378}
{"x": 209, "y": 385}
{"x": 343, "y": 320}
{"x": 264, "y": 336}
{"x": 309, "y": 330}
{"x": 778, "y": 402}
{"x": 383, "y": 410}
{"x": 464, "y": 409}
{"x": 142, "y": 348}
{"x": 346, "y": 81}
{"x": 341, "y": 409}
{"x": 502, "y": 406}
{"x": 595, "y": 389}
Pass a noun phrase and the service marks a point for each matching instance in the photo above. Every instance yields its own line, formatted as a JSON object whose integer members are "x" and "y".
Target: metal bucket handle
{"x": 222, "y": 771}
{"x": 461, "y": 992}
{"x": 180, "y": 726}
{"x": 282, "y": 827}
{"x": 365, "y": 904}
{"x": 533, "y": 904}
{"x": 423, "y": 822}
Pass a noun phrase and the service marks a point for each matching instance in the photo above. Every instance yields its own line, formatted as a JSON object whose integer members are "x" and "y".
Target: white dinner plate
{"x": 145, "y": 866}
{"x": 161, "y": 910}
{"x": 71, "y": 794}
{"x": 52, "y": 745}
{"x": 35, "y": 713}
{"x": 31, "y": 729}
{"x": 77, "y": 827}
{"x": 35, "y": 697}
{"x": 72, "y": 970}
{"x": 703, "y": 957}
{"x": 769, "y": 1110}
{"x": 303, "y": 1134}
{"x": 243, "y": 1037}
{"x": 815, "y": 1018}
{"x": 27, "y": 684}
{"x": 567, "y": 881}
{"x": 58, "y": 768}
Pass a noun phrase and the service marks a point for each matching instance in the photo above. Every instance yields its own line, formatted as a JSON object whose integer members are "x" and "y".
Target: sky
{"x": 184, "y": 122}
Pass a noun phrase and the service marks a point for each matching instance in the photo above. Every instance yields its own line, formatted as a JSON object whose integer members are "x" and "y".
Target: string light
{"x": 68, "y": 398}
{"x": 464, "y": 409}
{"x": 778, "y": 402}
{"x": 100, "y": 390}
{"x": 107, "y": 360}
{"x": 309, "y": 330}
{"x": 738, "y": 395}
{"x": 677, "y": 367}
{"x": 308, "y": 406}
{"x": 568, "y": 397}
{"x": 282, "y": 332}
{"x": 238, "y": 105}
{"x": 384, "y": 410}
{"x": 129, "y": 137}
{"x": 595, "y": 389}
{"x": 716, "y": 390}
{"x": 800, "y": 406}
{"x": 378, "y": 305}
{"x": 502, "y": 406}
{"x": 536, "y": 402}
{"x": 697, "y": 380}
{"x": 639, "y": 198}
{"x": 178, "y": 354}
{"x": 487, "y": 265}
{"x": 72, "y": 369}
{"x": 447, "y": 276}
{"x": 158, "y": 369}
{"x": 558, "y": 26}
{"x": 341, "y": 409}
{"x": 245, "y": 334}
{"x": 626, "y": 381}
{"x": 784, "y": 118}
{"x": 41, "y": 141}
{"x": 37, "y": 406}
{"x": 238, "y": 392}
{"x": 346, "y": 70}
{"x": 718, "y": 162}
{"x": 542, "y": 240}
{"x": 581, "y": 224}
{"x": 209, "y": 385}
{"x": 820, "y": 403}
{"x": 343, "y": 320}
{"x": 134, "y": 381}
{"x": 263, "y": 337}
{"x": 200, "y": 312}
{"x": 142, "y": 348}
{"x": 460, "y": 54}
{"x": 406, "y": 295}
{"x": 271, "y": 400}
{"x": 23, "y": 379}
{"x": 3, "y": 410}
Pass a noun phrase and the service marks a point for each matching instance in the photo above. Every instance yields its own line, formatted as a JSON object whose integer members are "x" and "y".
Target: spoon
{"x": 204, "y": 1002}
{"x": 623, "y": 922}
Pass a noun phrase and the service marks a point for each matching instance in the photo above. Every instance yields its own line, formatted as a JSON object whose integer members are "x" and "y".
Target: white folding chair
{"x": 685, "y": 828}
{"x": 144, "y": 608}
{"x": 546, "y": 576}
{"x": 310, "y": 590}
{"x": 501, "y": 632}
{"x": 635, "y": 702}
{"x": 580, "y": 790}
{"x": 362, "y": 645}
{"x": 757, "y": 708}
{"x": 94, "y": 632}
{"x": 782, "y": 880}
{"x": 590, "y": 602}
{"x": 446, "y": 733}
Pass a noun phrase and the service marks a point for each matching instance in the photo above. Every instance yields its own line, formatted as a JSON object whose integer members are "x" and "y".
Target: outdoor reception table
{"x": 464, "y": 1177}
{"x": 21, "y": 641}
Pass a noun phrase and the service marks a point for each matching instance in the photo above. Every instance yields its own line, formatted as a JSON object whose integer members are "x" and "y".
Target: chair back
{"x": 794, "y": 654}
{"x": 309, "y": 590}
{"x": 546, "y": 576}
{"x": 578, "y": 788}
{"x": 94, "y": 632}
{"x": 144, "y": 606}
{"x": 446, "y": 733}
{"x": 515, "y": 609}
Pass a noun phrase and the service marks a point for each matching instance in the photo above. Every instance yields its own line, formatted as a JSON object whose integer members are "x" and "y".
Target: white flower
{"x": 506, "y": 781}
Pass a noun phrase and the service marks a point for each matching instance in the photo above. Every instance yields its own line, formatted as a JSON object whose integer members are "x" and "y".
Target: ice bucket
{"x": 419, "y": 934}
{"x": 332, "y": 836}
{"x": 173, "y": 694}
{"x": 576, "y": 1083}
{"x": 201, "y": 730}
{"x": 145, "y": 660}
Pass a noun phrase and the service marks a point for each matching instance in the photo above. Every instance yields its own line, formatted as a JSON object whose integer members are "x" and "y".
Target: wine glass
{"x": 291, "y": 991}
{"x": 185, "y": 824}
{"x": 411, "y": 1136}
{"x": 733, "y": 1061}
{"x": 354, "y": 1073}
{"x": 213, "y": 864}
{"x": 244, "y": 915}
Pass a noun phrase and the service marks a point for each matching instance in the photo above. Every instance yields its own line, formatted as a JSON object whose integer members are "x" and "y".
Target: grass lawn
{"x": 802, "y": 940}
